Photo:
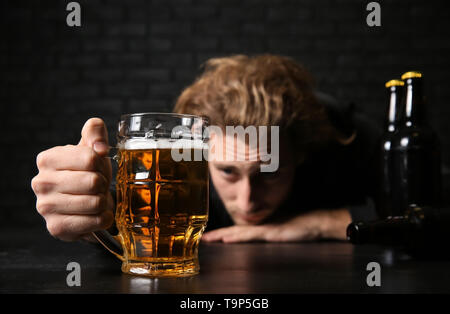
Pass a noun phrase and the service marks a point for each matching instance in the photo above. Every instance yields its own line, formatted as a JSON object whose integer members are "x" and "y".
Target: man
{"x": 323, "y": 180}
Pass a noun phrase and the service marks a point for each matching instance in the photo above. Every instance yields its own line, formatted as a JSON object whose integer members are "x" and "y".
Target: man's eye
{"x": 227, "y": 171}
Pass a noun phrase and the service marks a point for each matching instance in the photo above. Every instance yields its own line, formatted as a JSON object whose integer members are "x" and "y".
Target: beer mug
{"x": 162, "y": 194}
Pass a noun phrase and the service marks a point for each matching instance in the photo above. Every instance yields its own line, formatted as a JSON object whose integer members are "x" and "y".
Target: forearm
{"x": 310, "y": 226}
{"x": 335, "y": 222}
{"x": 314, "y": 225}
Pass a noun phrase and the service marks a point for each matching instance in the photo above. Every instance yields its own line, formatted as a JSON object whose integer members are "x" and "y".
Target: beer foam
{"x": 140, "y": 143}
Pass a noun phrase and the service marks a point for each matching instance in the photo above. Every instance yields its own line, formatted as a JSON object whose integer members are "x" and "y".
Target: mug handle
{"x": 110, "y": 242}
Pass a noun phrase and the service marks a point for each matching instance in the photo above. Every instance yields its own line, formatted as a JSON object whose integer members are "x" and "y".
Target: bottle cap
{"x": 411, "y": 74}
{"x": 394, "y": 83}
{"x": 357, "y": 233}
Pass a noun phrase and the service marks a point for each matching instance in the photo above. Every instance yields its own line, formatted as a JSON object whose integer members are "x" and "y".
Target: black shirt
{"x": 338, "y": 176}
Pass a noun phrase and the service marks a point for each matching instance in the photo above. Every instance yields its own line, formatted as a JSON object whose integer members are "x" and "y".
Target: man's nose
{"x": 245, "y": 200}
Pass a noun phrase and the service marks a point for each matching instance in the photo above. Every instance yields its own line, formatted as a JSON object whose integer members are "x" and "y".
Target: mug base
{"x": 162, "y": 269}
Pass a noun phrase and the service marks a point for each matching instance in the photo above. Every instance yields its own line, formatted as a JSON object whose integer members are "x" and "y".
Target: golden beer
{"x": 162, "y": 210}
{"x": 162, "y": 187}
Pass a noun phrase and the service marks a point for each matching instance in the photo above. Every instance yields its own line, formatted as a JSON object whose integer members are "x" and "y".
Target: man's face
{"x": 249, "y": 195}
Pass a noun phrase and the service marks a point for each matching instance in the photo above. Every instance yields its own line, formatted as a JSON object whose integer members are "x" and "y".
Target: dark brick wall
{"x": 137, "y": 55}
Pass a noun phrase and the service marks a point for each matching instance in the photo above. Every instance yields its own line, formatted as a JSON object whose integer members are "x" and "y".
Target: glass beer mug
{"x": 162, "y": 194}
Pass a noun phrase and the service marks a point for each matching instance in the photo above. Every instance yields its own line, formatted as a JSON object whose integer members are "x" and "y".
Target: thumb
{"x": 95, "y": 135}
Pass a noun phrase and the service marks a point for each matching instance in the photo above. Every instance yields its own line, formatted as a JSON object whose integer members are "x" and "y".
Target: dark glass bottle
{"x": 415, "y": 151}
{"x": 421, "y": 231}
{"x": 385, "y": 206}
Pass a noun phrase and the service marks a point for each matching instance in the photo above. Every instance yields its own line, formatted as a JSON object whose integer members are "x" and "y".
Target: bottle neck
{"x": 422, "y": 231}
{"x": 391, "y": 231}
{"x": 393, "y": 112}
{"x": 414, "y": 109}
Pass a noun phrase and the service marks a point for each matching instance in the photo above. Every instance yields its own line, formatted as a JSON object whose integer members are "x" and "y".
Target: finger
{"x": 244, "y": 234}
{"x": 235, "y": 238}
{"x": 73, "y": 227}
{"x": 95, "y": 135}
{"x": 70, "y": 157}
{"x": 70, "y": 182}
{"x": 238, "y": 234}
{"x": 67, "y": 204}
{"x": 215, "y": 235}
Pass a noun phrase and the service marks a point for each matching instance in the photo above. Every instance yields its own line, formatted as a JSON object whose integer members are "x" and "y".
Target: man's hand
{"x": 72, "y": 186}
{"x": 319, "y": 224}
{"x": 243, "y": 233}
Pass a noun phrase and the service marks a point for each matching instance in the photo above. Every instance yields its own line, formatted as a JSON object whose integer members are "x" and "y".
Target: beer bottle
{"x": 392, "y": 122}
{"x": 421, "y": 231}
{"x": 416, "y": 169}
